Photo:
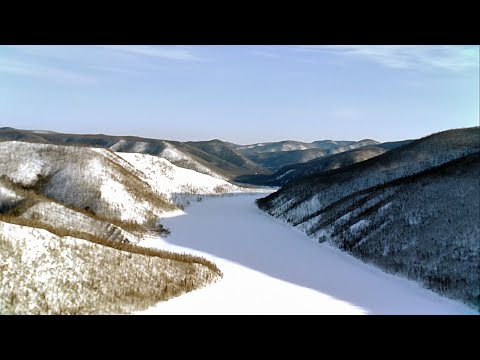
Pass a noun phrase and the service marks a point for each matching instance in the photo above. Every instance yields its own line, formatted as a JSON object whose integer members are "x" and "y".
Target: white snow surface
{"x": 271, "y": 268}
{"x": 359, "y": 225}
{"x": 167, "y": 178}
{"x": 58, "y": 215}
{"x": 173, "y": 182}
{"x": 27, "y": 172}
{"x": 285, "y": 174}
{"x": 43, "y": 132}
{"x": 173, "y": 154}
{"x": 33, "y": 244}
{"x": 7, "y": 194}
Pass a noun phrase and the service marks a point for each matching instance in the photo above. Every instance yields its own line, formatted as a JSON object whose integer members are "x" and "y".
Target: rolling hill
{"x": 290, "y": 145}
{"x": 177, "y": 184}
{"x": 315, "y": 166}
{"x": 46, "y": 273}
{"x": 212, "y": 157}
{"x": 413, "y": 210}
{"x": 217, "y": 158}
{"x": 286, "y": 153}
{"x": 85, "y": 178}
{"x": 70, "y": 221}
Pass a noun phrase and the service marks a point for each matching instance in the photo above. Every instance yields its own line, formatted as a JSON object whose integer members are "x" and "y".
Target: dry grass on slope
{"x": 42, "y": 273}
{"x": 123, "y": 246}
{"x": 77, "y": 260}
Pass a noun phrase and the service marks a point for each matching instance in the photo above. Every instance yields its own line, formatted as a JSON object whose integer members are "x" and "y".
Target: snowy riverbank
{"x": 271, "y": 268}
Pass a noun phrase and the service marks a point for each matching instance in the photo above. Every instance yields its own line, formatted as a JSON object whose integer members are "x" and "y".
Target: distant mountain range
{"x": 276, "y": 155}
{"x": 317, "y": 165}
{"x": 218, "y": 158}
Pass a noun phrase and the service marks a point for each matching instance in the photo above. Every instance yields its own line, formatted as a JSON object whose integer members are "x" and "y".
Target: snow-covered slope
{"x": 185, "y": 160}
{"x": 216, "y": 158}
{"x": 169, "y": 180}
{"x": 274, "y": 156}
{"x": 290, "y": 145}
{"x": 69, "y": 219}
{"x": 9, "y": 197}
{"x": 86, "y": 178}
{"x": 413, "y": 210}
{"x": 99, "y": 186}
{"x": 355, "y": 145}
{"x": 230, "y": 158}
{"x": 42, "y": 273}
{"x": 326, "y": 163}
{"x": 315, "y": 166}
{"x": 270, "y": 268}
{"x": 59, "y": 217}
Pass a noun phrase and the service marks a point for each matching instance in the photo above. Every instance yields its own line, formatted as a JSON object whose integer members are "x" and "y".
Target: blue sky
{"x": 242, "y": 94}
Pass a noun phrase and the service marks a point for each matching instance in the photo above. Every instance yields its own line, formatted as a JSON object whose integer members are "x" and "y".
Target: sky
{"x": 241, "y": 94}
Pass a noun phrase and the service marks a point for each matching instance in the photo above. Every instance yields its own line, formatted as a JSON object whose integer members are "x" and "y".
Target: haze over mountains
{"x": 409, "y": 207}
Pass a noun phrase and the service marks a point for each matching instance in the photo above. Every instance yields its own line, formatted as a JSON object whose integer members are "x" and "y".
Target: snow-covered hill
{"x": 127, "y": 187}
{"x": 52, "y": 215}
{"x": 69, "y": 220}
{"x": 413, "y": 210}
{"x": 185, "y": 160}
{"x": 42, "y": 273}
{"x": 168, "y": 179}
{"x": 315, "y": 166}
{"x": 290, "y": 145}
{"x": 86, "y": 178}
{"x": 274, "y": 156}
{"x": 423, "y": 154}
{"x": 216, "y": 158}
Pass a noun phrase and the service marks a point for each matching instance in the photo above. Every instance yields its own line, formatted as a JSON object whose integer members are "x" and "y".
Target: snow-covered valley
{"x": 115, "y": 200}
{"x": 271, "y": 268}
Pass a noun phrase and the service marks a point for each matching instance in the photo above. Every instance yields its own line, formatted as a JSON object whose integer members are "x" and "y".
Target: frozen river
{"x": 271, "y": 268}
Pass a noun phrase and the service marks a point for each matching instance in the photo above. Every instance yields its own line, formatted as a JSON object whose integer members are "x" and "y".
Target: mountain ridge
{"x": 394, "y": 204}
{"x": 215, "y": 157}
